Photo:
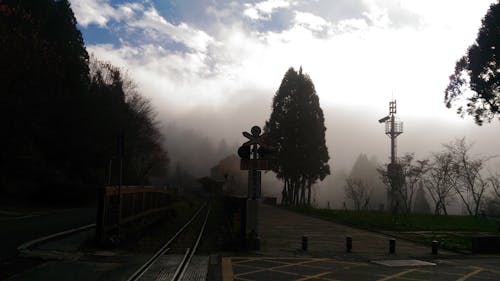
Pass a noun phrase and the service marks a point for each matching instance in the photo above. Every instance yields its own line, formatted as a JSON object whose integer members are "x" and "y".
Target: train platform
{"x": 281, "y": 233}
{"x": 281, "y": 256}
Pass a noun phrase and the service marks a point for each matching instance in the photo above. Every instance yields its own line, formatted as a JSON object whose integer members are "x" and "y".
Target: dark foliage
{"x": 479, "y": 70}
{"x": 59, "y": 119}
{"x": 296, "y": 129}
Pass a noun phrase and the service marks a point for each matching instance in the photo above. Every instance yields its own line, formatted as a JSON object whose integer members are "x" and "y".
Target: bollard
{"x": 392, "y": 246}
{"x": 304, "y": 243}
{"x": 435, "y": 247}
{"x": 348, "y": 243}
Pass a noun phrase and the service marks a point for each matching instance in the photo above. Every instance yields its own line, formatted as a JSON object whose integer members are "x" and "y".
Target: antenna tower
{"x": 393, "y": 128}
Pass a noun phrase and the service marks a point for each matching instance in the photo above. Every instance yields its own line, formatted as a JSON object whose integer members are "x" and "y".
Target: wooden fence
{"x": 129, "y": 205}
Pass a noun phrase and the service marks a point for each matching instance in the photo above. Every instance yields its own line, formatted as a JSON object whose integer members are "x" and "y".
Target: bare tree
{"x": 470, "y": 184}
{"x": 440, "y": 180}
{"x": 495, "y": 184}
{"x": 358, "y": 191}
{"x": 412, "y": 171}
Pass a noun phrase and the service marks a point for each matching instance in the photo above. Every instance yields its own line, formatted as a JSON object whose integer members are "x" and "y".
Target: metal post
{"x": 393, "y": 141}
{"x": 435, "y": 247}
{"x": 348, "y": 243}
{"x": 121, "y": 150}
{"x": 110, "y": 171}
{"x": 392, "y": 246}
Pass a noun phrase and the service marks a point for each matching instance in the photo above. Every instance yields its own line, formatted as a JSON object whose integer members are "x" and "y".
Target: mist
{"x": 194, "y": 138}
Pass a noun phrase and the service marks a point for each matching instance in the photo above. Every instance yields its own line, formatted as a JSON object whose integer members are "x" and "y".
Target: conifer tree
{"x": 296, "y": 130}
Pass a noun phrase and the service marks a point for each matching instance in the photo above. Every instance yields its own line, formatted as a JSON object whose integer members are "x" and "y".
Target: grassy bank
{"x": 453, "y": 232}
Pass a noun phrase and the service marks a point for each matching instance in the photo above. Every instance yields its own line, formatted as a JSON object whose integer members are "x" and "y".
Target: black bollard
{"x": 392, "y": 246}
{"x": 304, "y": 243}
{"x": 435, "y": 247}
{"x": 348, "y": 243}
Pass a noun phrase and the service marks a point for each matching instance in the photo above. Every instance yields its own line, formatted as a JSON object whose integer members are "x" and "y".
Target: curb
{"x": 25, "y": 247}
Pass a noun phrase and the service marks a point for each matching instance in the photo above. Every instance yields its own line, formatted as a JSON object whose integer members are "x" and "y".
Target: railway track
{"x": 172, "y": 260}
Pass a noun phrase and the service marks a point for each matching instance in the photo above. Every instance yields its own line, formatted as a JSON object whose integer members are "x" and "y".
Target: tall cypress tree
{"x": 296, "y": 129}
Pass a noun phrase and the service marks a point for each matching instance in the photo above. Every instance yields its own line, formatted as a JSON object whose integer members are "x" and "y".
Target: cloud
{"x": 161, "y": 29}
{"x": 263, "y": 10}
{"x": 219, "y": 76}
{"x": 358, "y": 62}
{"x": 136, "y": 23}
{"x": 100, "y": 12}
{"x": 310, "y": 21}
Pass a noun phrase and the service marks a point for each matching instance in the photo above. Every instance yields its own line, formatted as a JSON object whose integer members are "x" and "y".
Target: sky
{"x": 215, "y": 65}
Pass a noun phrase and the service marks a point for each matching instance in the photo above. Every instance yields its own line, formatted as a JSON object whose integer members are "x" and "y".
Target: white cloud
{"x": 264, "y": 9}
{"x": 360, "y": 64}
{"x": 182, "y": 33}
{"x": 225, "y": 80}
{"x": 310, "y": 21}
{"x": 100, "y": 11}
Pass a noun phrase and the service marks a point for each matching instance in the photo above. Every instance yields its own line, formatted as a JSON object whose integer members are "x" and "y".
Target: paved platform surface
{"x": 281, "y": 232}
{"x": 280, "y": 256}
{"x": 292, "y": 268}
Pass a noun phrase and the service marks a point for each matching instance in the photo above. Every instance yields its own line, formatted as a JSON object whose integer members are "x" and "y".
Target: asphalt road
{"x": 16, "y": 231}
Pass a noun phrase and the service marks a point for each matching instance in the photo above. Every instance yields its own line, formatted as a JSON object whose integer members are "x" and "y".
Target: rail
{"x": 189, "y": 253}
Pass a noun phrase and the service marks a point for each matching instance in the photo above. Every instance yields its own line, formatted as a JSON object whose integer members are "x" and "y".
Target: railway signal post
{"x": 253, "y": 158}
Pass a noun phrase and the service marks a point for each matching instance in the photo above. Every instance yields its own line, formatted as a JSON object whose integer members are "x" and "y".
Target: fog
{"x": 213, "y": 75}
{"x": 194, "y": 138}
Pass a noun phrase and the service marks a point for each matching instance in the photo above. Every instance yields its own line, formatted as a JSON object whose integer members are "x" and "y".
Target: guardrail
{"x": 121, "y": 206}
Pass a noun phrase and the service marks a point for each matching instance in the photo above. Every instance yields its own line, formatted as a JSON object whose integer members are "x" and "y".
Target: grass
{"x": 453, "y": 232}
{"x": 408, "y": 222}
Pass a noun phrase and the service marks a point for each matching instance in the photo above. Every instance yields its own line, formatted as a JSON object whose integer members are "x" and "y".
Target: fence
{"x": 126, "y": 205}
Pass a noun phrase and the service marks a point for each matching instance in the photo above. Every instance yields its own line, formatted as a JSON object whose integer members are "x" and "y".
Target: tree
{"x": 470, "y": 184}
{"x": 120, "y": 108}
{"x": 44, "y": 81}
{"x": 479, "y": 71}
{"x": 296, "y": 130}
{"x": 63, "y": 111}
{"x": 495, "y": 183}
{"x": 421, "y": 205}
{"x": 358, "y": 191}
{"x": 411, "y": 172}
{"x": 440, "y": 180}
{"x": 365, "y": 171}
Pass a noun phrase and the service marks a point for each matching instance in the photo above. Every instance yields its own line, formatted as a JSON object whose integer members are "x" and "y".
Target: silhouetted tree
{"x": 120, "y": 108}
{"x": 470, "y": 185}
{"x": 412, "y": 172}
{"x": 365, "y": 171}
{"x": 440, "y": 180}
{"x": 358, "y": 191}
{"x": 44, "y": 70}
{"x": 479, "y": 71}
{"x": 60, "y": 114}
{"x": 296, "y": 130}
{"x": 495, "y": 184}
{"x": 421, "y": 205}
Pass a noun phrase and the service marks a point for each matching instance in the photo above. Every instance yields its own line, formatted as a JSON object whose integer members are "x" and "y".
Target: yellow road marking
{"x": 397, "y": 274}
{"x": 285, "y": 264}
{"x": 227, "y": 269}
{"x": 470, "y": 274}
{"x": 277, "y": 268}
{"x": 246, "y": 260}
{"x": 314, "y": 276}
{"x": 441, "y": 272}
